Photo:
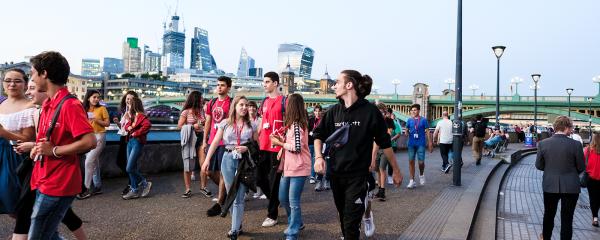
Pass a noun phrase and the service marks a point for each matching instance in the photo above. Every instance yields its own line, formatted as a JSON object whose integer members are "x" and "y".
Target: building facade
{"x": 299, "y": 57}
{"x": 151, "y": 61}
{"x": 132, "y": 56}
{"x": 245, "y": 64}
{"x": 90, "y": 67}
{"x": 173, "y": 47}
{"x": 201, "y": 58}
{"x": 112, "y": 65}
{"x": 255, "y": 72}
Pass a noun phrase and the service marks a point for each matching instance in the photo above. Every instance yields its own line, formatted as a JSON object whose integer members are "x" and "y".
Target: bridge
{"x": 512, "y": 108}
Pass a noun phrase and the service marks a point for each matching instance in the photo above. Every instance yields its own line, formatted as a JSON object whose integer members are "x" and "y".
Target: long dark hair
{"x": 233, "y": 112}
{"x": 123, "y": 104}
{"x": 86, "y": 99}
{"x": 136, "y": 107}
{"x": 295, "y": 111}
{"x": 362, "y": 83}
{"x": 595, "y": 144}
{"x": 194, "y": 102}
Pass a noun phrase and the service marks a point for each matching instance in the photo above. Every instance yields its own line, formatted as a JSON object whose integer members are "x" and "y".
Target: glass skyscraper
{"x": 90, "y": 67}
{"x": 201, "y": 57}
{"x": 246, "y": 63}
{"x": 151, "y": 60}
{"x": 173, "y": 46}
{"x": 112, "y": 65}
{"x": 299, "y": 56}
{"x": 132, "y": 56}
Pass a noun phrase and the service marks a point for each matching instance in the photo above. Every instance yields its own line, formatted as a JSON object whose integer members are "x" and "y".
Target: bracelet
{"x": 54, "y": 152}
{"x": 319, "y": 157}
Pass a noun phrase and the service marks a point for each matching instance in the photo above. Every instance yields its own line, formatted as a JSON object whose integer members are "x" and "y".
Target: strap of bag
{"x": 55, "y": 116}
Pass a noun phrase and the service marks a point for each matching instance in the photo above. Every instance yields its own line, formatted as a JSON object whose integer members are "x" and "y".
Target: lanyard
{"x": 316, "y": 123}
{"x": 238, "y": 134}
{"x": 417, "y": 124}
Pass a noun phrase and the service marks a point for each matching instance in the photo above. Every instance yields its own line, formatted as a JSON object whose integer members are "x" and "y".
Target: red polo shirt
{"x": 272, "y": 119}
{"x": 60, "y": 177}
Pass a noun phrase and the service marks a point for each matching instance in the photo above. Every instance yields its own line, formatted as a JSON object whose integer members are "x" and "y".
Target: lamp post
{"x": 396, "y": 82}
{"x": 474, "y": 88}
{"x": 457, "y": 124}
{"x": 158, "y": 91}
{"x": 516, "y": 81}
{"x": 536, "y": 79}
{"x": 204, "y": 85}
{"x": 498, "y": 51}
{"x": 596, "y": 79}
{"x": 590, "y": 99}
{"x": 450, "y": 81}
{"x": 569, "y": 92}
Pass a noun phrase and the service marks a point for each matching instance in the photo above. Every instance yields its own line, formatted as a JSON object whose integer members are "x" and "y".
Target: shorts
{"x": 189, "y": 164}
{"x": 419, "y": 151}
{"x": 217, "y": 158}
{"x": 381, "y": 162}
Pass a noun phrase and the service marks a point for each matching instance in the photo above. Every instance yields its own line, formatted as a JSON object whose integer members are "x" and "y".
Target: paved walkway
{"x": 521, "y": 207}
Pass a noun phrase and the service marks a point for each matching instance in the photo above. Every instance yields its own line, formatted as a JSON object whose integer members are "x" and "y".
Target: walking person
{"x": 295, "y": 164}
{"x": 417, "y": 128}
{"x": 443, "y": 136}
{"x": 191, "y": 122}
{"x": 137, "y": 131}
{"x": 592, "y": 155}
{"x": 217, "y": 110}
{"x": 27, "y": 196}
{"x": 354, "y": 124}
{"x": 561, "y": 160}
{"x": 234, "y": 132}
{"x": 255, "y": 118}
{"x": 122, "y": 152}
{"x": 313, "y": 122}
{"x": 272, "y": 111}
{"x": 479, "y": 130}
{"x": 381, "y": 162}
{"x": 56, "y": 175}
{"x": 98, "y": 118}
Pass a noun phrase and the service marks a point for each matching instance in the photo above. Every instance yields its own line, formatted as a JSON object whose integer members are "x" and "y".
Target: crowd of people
{"x": 50, "y": 144}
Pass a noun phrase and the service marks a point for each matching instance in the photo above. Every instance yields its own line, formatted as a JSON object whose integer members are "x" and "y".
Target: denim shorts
{"x": 419, "y": 151}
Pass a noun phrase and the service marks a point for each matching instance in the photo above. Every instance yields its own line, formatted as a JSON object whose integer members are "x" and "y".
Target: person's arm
{"x": 435, "y": 133}
{"x": 103, "y": 121}
{"x": 25, "y": 134}
{"x": 320, "y": 166}
{"x": 206, "y": 134}
{"x": 374, "y": 157}
{"x": 182, "y": 119}
{"x": 540, "y": 161}
{"x": 212, "y": 149}
{"x": 320, "y": 134}
{"x": 429, "y": 141}
{"x": 83, "y": 144}
{"x": 397, "y": 174}
{"x": 144, "y": 128}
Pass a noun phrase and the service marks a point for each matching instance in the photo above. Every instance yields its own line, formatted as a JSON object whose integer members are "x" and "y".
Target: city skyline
{"x": 412, "y": 42}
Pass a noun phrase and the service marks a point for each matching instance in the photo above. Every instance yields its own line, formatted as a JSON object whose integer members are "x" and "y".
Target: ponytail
{"x": 362, "y": 83}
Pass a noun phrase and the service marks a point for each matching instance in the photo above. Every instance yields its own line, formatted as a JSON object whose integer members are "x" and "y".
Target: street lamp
{"x": 457, "y": 123}
{"x": 596, "y": 79}
{"x": 590, "y": 99}
{"x": 569, "y": 92}
{"x": 204, "y": 85}
{"x": 498, "y": 51}
{"x": 158, "y": 91}
{"x": 474, "y": 88}
{"x": 536, "y": 79}
{"x": 449, "y": 81}
{"x": 516, "y": 81}
{"x": 396, "y": 82}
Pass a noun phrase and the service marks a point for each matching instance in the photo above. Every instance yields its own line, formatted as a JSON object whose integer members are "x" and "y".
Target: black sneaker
{"x": 302, "y": 227}
{"x": 206, "y": 192}
{"x": 447, "y": 169}
{"x": 126, "y": 190}
{"x": 97, "y": 191}
{"x": 380, "y": 194}
{"x": 478, "y": 162}
{"x": 214, "y": 210}
{"x": 187, "y": 194}
{"x": 84, "y": 195}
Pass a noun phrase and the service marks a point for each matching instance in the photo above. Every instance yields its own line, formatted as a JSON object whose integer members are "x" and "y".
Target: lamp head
{"x": 569, "y": 91}
{"x": 536, "y": 77}
{"x": 498, "y": 50}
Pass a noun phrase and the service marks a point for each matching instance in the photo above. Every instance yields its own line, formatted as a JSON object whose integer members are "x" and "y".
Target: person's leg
{"x": 237, "y": 211}
{"x": 284, "y": 199}
{"x": 354, "y": 197}
{"x": 412, "y": 151}
{"x": 274, "y": 178}
{"x": 23, "y": 216}
{"x": 89, "y": 169}
{"x": 421, "y": 158}
{"x": 74, "y": 223}
{"x": 100, "y": 144}
{"x": 262, "y": 177}
{"x": 550, "y": 204}
{"x": 594, "y": 195}
{"x": 187, "y": 180}
{"x": 203, "y": 174}
{"x": 295, "y": 214}
{"x": 338, "y": 189}
{"x": 122, "y": 154}
{"x": 134, "y": 151}
{"x": 444, "y": 150}
{"x": 568, "y": 202}
{"x": 47, "y": 213}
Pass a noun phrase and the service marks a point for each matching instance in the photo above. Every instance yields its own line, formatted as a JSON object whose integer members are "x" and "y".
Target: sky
{"x": 412, "y": 41}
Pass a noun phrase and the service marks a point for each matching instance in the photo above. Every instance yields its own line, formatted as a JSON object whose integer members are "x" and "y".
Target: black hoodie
{"x": 367, "y": 125}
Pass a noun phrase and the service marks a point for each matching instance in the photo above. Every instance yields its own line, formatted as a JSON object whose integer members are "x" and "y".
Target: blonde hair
{"x": 233, "y": 112}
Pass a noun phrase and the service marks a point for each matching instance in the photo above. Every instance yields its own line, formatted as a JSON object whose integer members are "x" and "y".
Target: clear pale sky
{"x": 413, "y": 41}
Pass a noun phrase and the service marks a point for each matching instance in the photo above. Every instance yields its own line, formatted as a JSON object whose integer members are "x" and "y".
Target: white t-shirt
{"x": 576, "y": 137}
{"x": 444, "y": 128}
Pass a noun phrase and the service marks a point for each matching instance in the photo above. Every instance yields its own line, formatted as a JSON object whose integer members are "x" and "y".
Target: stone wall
{"x": 155, "y": 158}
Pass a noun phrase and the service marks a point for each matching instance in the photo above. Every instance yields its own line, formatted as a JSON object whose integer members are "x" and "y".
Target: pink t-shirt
{"x": 219, "y": 111}
{"x": 272, "y": 119}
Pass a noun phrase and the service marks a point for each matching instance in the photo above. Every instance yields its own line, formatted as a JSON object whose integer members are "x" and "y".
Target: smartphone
{"x": 13, "y": 143}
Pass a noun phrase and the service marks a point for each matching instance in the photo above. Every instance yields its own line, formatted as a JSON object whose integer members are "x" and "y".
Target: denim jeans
{"x": 47, "y": 214}
{"x": 228, "y": 170}
{"x": 290, "y": 190}
{"x": 312, "y": 160}
{"x": 134, "y": 151}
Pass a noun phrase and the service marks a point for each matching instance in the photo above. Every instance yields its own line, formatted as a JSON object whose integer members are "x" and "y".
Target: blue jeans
{"x": 47, "y": 214}
{"x": 419, "y": 151}
{"x": 134, "y": 150}
{"x": 312, "y": 160}
{"x": 228, "y": 170}
{"x": 290, "y": 190}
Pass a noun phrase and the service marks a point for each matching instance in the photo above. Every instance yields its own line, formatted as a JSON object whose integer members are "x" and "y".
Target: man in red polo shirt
{"x": 56, "y": 176}
{"x": 272, "y": 120}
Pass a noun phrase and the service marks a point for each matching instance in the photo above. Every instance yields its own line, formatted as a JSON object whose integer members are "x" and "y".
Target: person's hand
{"x": 196, "y": 126}
{"x": 320, "y": 165}
{"x": 129, "y": 128}
{"x": 205, "y": 166}
{"x": 241, "y": 149}
{"x": 397, "y": 177}
{"x": 276, "y": 140}
{"x": 373, "y": 166}
{"x": 23, "y": 147}
{"x": 203, "y": 147}
{"x": 43, "y": 148}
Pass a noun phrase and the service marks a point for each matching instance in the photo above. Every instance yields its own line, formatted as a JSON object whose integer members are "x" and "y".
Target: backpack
{"x": 480, "y": 129}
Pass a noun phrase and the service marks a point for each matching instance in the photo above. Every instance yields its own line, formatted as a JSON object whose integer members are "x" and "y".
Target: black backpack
{"x": 480, "y": 129}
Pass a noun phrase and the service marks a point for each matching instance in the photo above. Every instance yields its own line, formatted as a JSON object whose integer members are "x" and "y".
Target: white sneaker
{"x": 256, "y": 195}
{"x": 263, "y": 197}
{"x": 422, "y": 179}
{"x": 411, "y": 184}
{"x": 369, "y": 225}
{"x": 390, "y": 180}
{"x": 215, "y": 199}
{"x": 269, "y": 222}
{"x": 312, "y": 180}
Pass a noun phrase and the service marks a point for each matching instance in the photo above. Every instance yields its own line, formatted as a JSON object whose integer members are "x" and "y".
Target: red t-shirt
{"x": 218, "y": 112}
{"x": 272, "y": 119}
{"x": 60, "y": 177}
{"x": 593, "y": 165}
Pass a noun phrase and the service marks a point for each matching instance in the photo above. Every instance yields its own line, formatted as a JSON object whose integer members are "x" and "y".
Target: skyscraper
{"x": 173, "y": 46}
{"x": 132, "y": 56}
{"x": 201, "y": 57}
{"x": 246, "y": 62}
{"x": 90, "y": 67}
{"x": 299, "y": 56}
{"x": 112, "y": 65}
{"x": 151, "y": 60}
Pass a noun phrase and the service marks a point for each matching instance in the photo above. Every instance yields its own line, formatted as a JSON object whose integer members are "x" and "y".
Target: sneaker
{"x": 214, "y": 210}
{"x": 126, "y": 190}
{"x": 369, "y": 225}
{"x": 443, "y": 168}
{"x": 312, "y": 180}
{"x": 84, "y": 195}
{"x": 269, "y": 222}
{"x": 233, "y": 234}
{"x": 262, "y": 197}
{"x": 390, "y": 180}
{"x": 146, "y": 189}
{"x": 411, "y": 184}
{"x": 206, "y": 192}
{"x": 326, "y": 185}
{"x": 478, "y": 162}
{"x": 422, "y": 179}
{"x": 447, "y": 169}
{"x": 131, "y": 195}
{"x": 187, "y": 194}
{"x": 215, "y": 199}
{"x": 380, "y": 194}
{"x": 97, "y": 191}
{"x": 302, "y": 227}
{"x": 319, "y": 186}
